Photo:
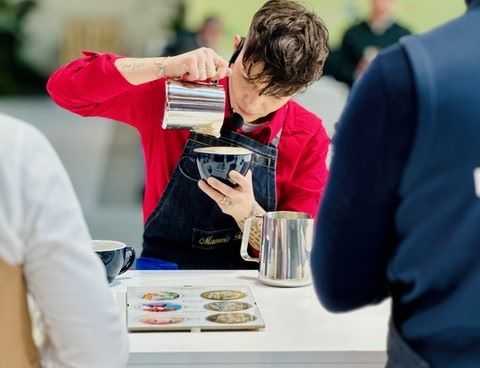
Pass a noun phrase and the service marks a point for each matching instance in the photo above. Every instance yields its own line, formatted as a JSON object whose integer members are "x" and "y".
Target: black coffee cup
{"x": 116, "y": 257}
{"x": 219, "y": 161}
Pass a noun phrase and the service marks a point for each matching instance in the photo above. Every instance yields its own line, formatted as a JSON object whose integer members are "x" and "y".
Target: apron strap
{"x": 276, "y": 140}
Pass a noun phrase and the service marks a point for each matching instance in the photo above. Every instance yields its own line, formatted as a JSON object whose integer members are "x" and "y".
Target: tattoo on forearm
{"x": 256, "y": 234}
{"x": 159, "y": 68}
{"x": 133, "y": 66}
{"x": 255, "y": 239}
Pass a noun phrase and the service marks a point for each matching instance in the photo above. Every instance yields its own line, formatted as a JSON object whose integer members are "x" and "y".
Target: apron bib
{"x": 188, "y": 228}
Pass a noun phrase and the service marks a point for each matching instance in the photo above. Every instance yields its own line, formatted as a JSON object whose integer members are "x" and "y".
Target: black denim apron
{"x": 400, "y": 354}
{"x": 188, "y": 228}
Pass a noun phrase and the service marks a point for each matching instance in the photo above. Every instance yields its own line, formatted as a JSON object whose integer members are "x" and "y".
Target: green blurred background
{"x": 108, "y": 177}
{"x": 418, "y": 15}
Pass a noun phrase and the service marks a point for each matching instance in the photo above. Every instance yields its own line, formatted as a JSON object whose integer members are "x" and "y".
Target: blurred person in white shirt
{"x": 46, "y": 252}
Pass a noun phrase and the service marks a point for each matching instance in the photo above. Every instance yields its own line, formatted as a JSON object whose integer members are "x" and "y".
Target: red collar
{"x": 268, "y": 132}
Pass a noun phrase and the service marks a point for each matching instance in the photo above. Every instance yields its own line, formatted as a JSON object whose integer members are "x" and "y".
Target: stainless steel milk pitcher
{"x": 195, "y": 106}
{"x": 287, "y": 239}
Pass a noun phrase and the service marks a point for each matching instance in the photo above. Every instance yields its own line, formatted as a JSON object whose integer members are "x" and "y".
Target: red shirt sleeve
{"x": 304, "y": 191}
{"x": 92, "y": 86}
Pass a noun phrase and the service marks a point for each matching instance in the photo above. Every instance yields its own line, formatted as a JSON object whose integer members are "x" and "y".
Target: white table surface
{"x": 298, "y": 333}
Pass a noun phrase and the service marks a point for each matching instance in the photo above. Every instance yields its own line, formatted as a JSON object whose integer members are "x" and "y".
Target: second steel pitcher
{"x": 287, "y": 239}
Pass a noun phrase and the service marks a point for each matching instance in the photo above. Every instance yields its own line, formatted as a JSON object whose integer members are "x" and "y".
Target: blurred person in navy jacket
{"x": 401, "y": 214}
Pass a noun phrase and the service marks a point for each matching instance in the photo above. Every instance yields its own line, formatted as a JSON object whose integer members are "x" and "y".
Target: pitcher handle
{"x": 245, "y": 238}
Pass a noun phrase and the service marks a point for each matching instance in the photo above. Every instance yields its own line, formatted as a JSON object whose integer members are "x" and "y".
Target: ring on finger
{"x": 226, "y": 201}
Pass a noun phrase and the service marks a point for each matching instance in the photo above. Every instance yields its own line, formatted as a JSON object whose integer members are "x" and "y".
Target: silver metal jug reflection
{"x": 195, "y": 106}
{"x": 287, "y": 239}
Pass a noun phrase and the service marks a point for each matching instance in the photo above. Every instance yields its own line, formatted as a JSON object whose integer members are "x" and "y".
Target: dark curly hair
{"x": 291, "y": 43}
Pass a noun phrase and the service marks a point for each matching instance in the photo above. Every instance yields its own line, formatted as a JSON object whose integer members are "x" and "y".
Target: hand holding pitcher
{"x": 197, "y": 65}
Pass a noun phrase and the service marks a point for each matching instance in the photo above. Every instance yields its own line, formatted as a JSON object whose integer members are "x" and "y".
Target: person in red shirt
{"x": 191, "y": 223}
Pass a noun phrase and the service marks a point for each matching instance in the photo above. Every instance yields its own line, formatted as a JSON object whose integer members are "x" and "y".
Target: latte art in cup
{"x": 218, "y": 162}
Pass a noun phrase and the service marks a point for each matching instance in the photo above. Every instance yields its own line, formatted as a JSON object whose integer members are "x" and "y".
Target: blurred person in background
{"x": 46, "y": 252}
{"x": 209, "y": 35}
{"x": 362, "y": 42}
{"x": 401, "y": 215}
{"x": 192, "y": 224}
{"x": 16, "y": 75}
